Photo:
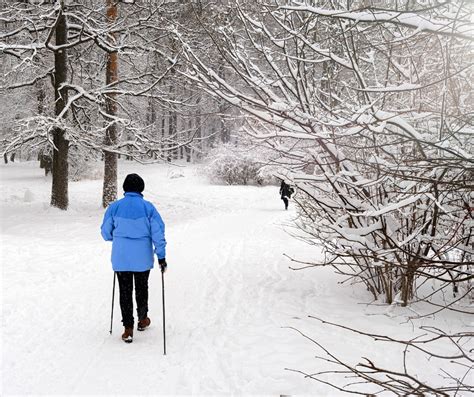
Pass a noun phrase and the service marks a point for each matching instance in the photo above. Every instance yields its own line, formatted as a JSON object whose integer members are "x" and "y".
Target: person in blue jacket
{"x": 134, "y": 226}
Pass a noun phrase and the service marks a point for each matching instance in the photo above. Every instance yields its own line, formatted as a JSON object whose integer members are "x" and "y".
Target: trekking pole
{"x": 163, "y": 300}
{"x": 112, "y": 311}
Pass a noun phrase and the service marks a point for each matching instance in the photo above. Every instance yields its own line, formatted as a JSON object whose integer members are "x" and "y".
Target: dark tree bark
{"x": 174, "y": 131}
{"x": 151, "y": 120}
{"x": 109, "y": 192}
{"x": 187, "y": 148}
{"x": 223, "y": 108}
{"x": 44, "y": 157}
{"x": 225, "y": 132}
{"x": 59, "y": 191}
{"x": 172, "y": 126}
{"x": 163, "y": 131}
{"x": 198, "y": 121}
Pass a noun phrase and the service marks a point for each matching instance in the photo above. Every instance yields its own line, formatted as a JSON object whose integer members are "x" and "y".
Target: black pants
{"x": 125, "y": 280}
{"x": 285, "y": 200}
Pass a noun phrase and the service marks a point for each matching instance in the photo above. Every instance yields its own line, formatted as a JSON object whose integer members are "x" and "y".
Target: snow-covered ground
{"x": 230, "y": 295}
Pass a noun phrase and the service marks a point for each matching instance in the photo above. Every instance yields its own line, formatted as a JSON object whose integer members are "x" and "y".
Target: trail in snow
{"x": 229, "y": 292}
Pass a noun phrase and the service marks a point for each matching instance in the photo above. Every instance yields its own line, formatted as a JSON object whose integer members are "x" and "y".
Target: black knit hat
{"x": 133, "y": 183}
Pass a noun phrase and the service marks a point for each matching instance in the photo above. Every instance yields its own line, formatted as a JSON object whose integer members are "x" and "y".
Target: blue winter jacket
{"x": 134, "y": 226}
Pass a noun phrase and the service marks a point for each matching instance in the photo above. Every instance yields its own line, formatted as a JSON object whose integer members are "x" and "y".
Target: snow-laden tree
{"x": 113, "y": 80}
{"x": 65, "y": 43}
{"x": 372, "y": 107}
{"x": 382, "y": 99}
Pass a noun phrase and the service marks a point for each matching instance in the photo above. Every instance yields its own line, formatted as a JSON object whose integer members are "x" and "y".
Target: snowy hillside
{"x": 231, "y": 296}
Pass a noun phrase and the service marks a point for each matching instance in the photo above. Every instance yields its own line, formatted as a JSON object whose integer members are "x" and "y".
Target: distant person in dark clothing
{"x": 285, "y": 192}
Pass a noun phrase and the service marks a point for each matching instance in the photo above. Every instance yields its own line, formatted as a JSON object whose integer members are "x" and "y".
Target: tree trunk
{"x": 172, "y": 126}
{"x": 163, "y": 134}
{"x": 223, "y": 108}
{"x": 59, "y": 190}
{"x": 198, "y": 121}
{"x": 187, "y": 148}
{"x": 109, "y": 192}
{"x": 44, "y": 157}
{"x": 174, "y": 133}
{"x": 407, "y": 283}
{"x": 151, "y": 120}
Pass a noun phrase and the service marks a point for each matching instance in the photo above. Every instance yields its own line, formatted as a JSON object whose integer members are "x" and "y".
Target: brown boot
{"x": 127, "y": 336}
{"x": 143, "y": 324}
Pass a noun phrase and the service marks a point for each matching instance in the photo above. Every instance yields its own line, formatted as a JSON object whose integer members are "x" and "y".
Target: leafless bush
{"x": 371, "y": 106}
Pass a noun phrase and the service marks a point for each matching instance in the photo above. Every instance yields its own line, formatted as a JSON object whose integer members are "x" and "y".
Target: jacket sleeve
{"x": 107, "y": 227}
{"x": 158, "y": 234}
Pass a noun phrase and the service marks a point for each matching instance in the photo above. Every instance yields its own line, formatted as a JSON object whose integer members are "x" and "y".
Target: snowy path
{"x": 229, "y": 295}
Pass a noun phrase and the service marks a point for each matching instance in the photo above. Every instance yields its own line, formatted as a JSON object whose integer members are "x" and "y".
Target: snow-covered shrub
{"x": 236, "y": 165}
{"x": 381, "y": 146}
{"x": 176, "y": 174}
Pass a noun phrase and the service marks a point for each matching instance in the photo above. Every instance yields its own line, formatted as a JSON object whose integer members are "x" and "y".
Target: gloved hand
{"x": 163, "y": 264}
